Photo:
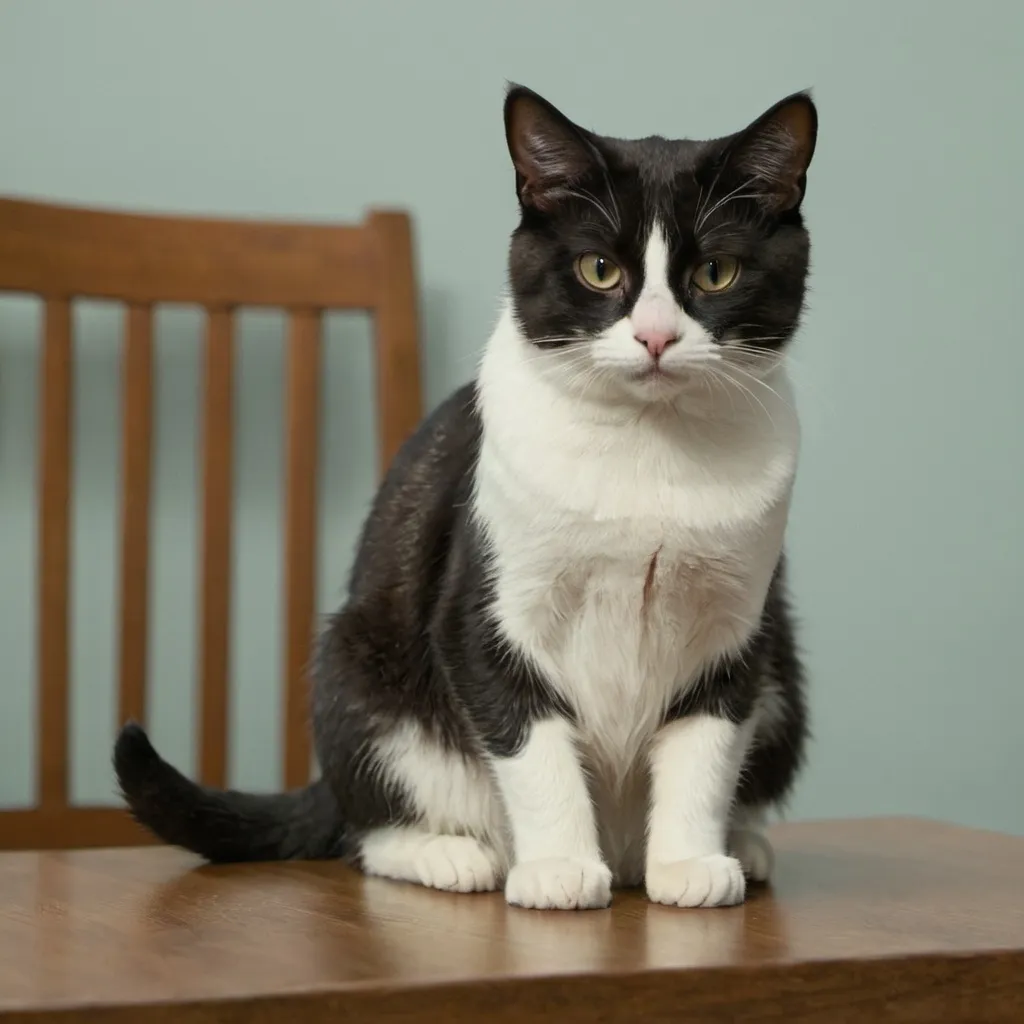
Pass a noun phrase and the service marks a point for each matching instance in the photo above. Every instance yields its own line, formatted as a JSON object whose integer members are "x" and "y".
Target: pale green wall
{"x": 906, "y": 540}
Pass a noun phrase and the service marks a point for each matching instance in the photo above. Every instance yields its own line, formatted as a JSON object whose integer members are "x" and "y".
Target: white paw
{"x": 456, "y": 863}
{"x": 754, "y": 853}
{"x": 559, "y": 883}
{"x": 715, "y": 881}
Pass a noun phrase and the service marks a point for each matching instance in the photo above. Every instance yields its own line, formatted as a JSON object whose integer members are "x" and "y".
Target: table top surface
{"x": 145, "y": 926}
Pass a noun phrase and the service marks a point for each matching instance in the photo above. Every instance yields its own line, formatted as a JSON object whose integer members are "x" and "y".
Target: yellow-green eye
{"x": 598, "y": 272}
{"x": 716, "y": 275}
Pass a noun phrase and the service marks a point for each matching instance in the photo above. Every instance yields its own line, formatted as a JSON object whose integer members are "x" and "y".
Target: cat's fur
{"x": 566, "y": 659}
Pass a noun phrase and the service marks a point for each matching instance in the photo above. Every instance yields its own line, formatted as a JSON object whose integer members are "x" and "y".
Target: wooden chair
{"x": 61, "y": 254}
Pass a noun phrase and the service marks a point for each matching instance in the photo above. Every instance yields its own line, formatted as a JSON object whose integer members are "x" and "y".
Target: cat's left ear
{"x": 775, "y": 152}
{"x": 549, "y": 152}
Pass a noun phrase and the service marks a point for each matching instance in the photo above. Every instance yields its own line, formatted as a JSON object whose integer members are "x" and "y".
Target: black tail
{"x": 223, "y": 825}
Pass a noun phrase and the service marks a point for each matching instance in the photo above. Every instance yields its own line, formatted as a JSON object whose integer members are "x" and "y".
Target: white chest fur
{"x": 631, "y": 547}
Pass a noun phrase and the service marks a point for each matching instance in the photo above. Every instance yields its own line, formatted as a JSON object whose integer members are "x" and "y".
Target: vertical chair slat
{"x": 136, "y": 456}
{"x": 218, "y": 479}
{"x": 54, "y": 555}
{"x": 399, "y": 400}
{"x": 300, "y": 537}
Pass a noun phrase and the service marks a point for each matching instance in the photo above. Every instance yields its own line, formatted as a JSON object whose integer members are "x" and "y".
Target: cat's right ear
{"x": 775, "y": 152}
{"x": 549, "y": 152}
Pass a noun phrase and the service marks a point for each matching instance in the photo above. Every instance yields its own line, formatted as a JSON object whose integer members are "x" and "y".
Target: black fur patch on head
{"x": 736, "y": 197}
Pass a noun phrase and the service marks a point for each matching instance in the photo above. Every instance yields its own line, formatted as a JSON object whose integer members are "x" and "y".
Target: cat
{"x": 566, "y": 661}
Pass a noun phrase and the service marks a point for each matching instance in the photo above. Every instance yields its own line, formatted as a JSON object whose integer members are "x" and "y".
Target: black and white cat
{"x": 566, "y": 659}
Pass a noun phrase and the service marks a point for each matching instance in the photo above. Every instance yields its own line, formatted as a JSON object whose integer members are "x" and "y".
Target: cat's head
{"x": 646, "y": 267}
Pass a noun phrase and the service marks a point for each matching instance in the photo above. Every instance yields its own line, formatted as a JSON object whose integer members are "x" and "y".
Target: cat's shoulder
{"x": 449, "y": 433}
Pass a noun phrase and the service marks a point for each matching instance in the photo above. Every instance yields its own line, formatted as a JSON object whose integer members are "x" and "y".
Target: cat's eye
{"x": 598, "y": 272}
{"x": 716, "y": 275}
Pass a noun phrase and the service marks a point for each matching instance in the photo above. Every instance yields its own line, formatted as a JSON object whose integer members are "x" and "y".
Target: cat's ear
{"x": 549, "y": 152}
{"x": 773, "y": 154}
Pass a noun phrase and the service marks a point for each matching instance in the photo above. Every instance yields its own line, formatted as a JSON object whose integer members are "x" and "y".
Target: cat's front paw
{"x": 559, "y": 883}
{"x": 714, "y": 881}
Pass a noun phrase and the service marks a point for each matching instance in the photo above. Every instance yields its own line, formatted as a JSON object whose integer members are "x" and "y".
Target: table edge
{"x": 971, "y": 986}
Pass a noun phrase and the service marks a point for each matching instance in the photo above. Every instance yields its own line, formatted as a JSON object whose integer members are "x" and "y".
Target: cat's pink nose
{"x": 656, "y": 341}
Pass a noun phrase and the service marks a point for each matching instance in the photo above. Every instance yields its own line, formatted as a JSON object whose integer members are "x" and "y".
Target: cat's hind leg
{"x": 411, "y": 854}
{"x": 450, "y": 837}
{"x": 748, "y": 843}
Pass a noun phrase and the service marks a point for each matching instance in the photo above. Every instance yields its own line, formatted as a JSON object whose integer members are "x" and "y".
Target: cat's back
{"x": 426, "y": 487}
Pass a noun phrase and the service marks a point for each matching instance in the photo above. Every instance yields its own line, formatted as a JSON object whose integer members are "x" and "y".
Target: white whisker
{"x": 764, "y": 384}
{"x": 711, "y": 192}
{"x": 735, "y": 194}
{"x": 589, "y": 197}
{"x": 714, "y": 377}
{"x": 749, "y": 394}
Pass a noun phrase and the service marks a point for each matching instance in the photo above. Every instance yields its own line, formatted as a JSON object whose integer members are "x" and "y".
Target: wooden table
{"x": 885, "y": 920}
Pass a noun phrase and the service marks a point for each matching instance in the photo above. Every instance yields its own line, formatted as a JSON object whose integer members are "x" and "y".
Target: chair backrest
{"x": 60, "y": 254}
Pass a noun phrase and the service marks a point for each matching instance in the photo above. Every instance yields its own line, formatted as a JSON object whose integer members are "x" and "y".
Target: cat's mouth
{"x": 656, "y": 373}
{"x": 657, "y": 383}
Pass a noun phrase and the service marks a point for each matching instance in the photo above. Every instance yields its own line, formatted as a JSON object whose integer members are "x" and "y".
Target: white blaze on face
{"x": 656, "y": 317}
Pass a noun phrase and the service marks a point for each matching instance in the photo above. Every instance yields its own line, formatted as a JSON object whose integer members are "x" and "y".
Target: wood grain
{"x": 886, "y": 920}
{"x": 136, "y": 452}
{"x": 300, "y": 538}
{"x": 47, "y": 249}
{"x": 215, "y": 566}
{"x": 61, "y": 828}
{"x": 54, "y": 555}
